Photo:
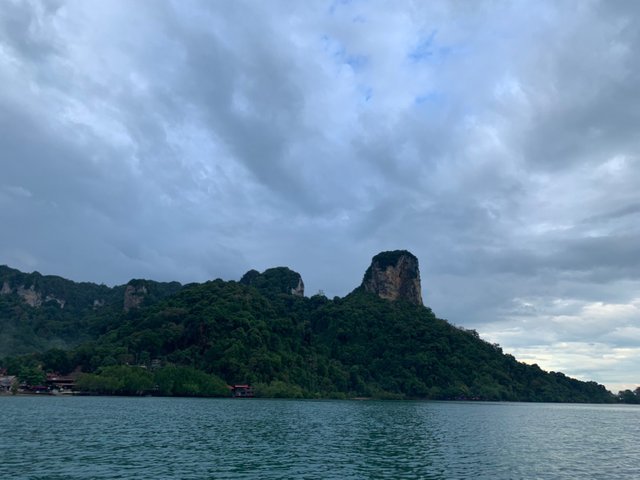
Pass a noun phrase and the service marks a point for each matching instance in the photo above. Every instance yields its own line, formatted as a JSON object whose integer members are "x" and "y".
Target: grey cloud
{"x": 600, "y": 259}
{"x": 197, "y": 140}
{"x": 23, "y": 26}
{"x": 615, "y": 214}
{"x": 583, "y": 85}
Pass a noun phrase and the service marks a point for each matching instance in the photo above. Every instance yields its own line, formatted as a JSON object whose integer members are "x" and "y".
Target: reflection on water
{"x": 131, "y": 438}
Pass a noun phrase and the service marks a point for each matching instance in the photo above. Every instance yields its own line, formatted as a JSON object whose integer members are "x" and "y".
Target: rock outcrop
{"x": 394, "y": 276}
{"x": 298, "y": 290}
{"x": 38, "y": 291}
{"x": 134, "y": 295}
{"x": 60, "y": 301}
{"x": 275, "y": 280}
{"x": 30, "y": 296}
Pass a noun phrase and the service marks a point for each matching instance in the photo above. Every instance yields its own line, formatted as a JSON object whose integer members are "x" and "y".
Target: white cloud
{"x": 598, "y": 362}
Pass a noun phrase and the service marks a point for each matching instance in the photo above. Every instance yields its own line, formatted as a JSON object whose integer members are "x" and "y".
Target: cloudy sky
{"x": 498, "y": 141}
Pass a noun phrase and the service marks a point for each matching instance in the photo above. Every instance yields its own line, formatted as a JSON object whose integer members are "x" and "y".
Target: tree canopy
{"x": 204, "y": 336}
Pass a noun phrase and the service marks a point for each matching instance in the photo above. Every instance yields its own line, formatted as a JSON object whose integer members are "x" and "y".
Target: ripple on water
{"x": 166, "y": 438}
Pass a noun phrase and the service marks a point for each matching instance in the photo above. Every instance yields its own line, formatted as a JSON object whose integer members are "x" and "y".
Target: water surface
{"x": 181, "y": 438}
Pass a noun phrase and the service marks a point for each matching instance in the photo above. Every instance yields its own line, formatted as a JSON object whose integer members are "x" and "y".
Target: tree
{"x": 627, "y": 396}
{"x": 56, "y": 360}
{"x": 31, "y": 375}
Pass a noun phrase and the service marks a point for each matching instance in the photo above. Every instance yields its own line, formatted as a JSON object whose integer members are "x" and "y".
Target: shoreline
{"x": 349, "y": 399}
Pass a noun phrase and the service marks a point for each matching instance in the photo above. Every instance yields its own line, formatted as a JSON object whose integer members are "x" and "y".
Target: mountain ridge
{"x": 260, "y": 330}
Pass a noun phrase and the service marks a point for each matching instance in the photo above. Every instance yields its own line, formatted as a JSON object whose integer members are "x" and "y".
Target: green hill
{"x": 39, "y": 312}
{"x": 285, "y": 344}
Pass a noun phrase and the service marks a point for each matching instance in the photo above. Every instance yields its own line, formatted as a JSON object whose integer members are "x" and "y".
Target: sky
{"x": 498, "y": 141}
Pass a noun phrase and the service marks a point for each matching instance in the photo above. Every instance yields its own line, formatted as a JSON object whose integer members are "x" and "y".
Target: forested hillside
{"x": 282, "y": 343}
{"x": 39, "y": 312}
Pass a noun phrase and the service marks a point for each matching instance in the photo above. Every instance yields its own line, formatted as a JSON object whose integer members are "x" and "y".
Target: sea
{"x": 188, "y": 438}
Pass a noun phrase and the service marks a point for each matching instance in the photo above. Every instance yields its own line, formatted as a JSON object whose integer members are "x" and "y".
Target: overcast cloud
{"x": 498, "y": 141}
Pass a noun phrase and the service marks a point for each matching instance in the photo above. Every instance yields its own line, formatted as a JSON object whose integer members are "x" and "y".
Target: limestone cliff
{"x": 30, "y": 295}
{"x": 394, "y": 275}
{"x": 134, "y": 295}
{"x": 298, "y": 290}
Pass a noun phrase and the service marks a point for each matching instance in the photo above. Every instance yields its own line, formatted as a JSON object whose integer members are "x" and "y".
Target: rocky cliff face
{"x": 38, "y": 290}
{"x": 298, "y": 290}
{"x": 30, "y": 296}
{"x": 134, "y": 296}
{"x": 394, "y": 276}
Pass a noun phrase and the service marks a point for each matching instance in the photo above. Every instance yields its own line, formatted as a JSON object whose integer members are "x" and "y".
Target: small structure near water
{"x": 6, "y": 382}
{"x": 61, "y": 384}
{"x": 241, "y": 391}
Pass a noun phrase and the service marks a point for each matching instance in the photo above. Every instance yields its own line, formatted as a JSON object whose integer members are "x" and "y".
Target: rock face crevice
{"x": 394, "y": 275}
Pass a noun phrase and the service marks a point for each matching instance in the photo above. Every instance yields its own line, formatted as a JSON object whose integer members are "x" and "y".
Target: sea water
{"x": 184, "y": 438}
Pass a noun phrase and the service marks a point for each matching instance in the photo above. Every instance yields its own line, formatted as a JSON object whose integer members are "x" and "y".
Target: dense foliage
{"x": 168, "y": 380}
{"x": 205, "y": 335}
{"x": 273, "y": 280}
{"x": 389, "y": 258}
{"x": 628, "y": 396}
{"x": 68, "y": 313}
